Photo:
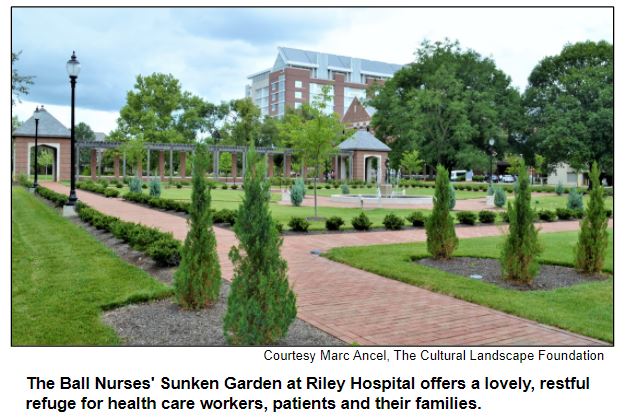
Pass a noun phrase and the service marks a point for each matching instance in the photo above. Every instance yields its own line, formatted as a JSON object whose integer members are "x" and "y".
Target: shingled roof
{"x": 363, "y": 140}
{"x": 49, "y": 126}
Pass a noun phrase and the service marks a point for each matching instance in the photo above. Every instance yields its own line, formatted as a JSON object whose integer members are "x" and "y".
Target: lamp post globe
{"x": 35, "y": 184}
{"x": 73, "y": 67}
{"x": 491, "y": 143}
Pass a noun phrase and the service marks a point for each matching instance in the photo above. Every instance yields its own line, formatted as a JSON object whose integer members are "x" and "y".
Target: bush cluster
{"x": 59, "y": 200}
{"x": 417, "y": 219}
{"x": 297, "y": 193}
{"x": 155, "y": 187}
{"x": 467, "y": 217}
{"x": 575, "y": 199}
{"x": 393, "y": 222}
{"x": 334, "y": 223}
{"x": 135, "y": 185}
{"x": 160, "y": 203}
{"x": 487, "y": 216}
{"x": 547, "y": 215}
{"x": 100, "y": 188}
{"x": 23, "y": 180}
{"x": 441, "y": 237}
{"x": 500, "y": 198}
{"x": 298, "y": 224}
{"x": 361, "y": 222}
{"x": 161, "y": 247}
{"x": 225, "y": 216}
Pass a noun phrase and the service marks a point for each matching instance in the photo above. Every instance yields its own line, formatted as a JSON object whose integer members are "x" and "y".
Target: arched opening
{"x": 47, "y": 161}
{"x": 372, "y": 168}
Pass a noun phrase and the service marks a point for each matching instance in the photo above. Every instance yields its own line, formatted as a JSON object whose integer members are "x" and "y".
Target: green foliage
{"x": 559, "y": 188}
{"x": 298, "y": 224}
{"x": 411, "y": 162}
{"x": 446, "y": 104}
{"x": 334, "y": 223}
{"x": 361, "y": 222}
{"x": 521, "y": 247}
{"x": 110, "y": 192}
{"x": 244, "y": 127}
{"x": 19, "y": 84}
{"x": 155, "y": 187}
{"x": 59, "y": 200}
{"x": 225, "y": 216}
{"x": 487, "y": 216}
{"x": 83, "y": 132}
{"x": 490, "y": 190}
{"x": 575, "y": 199}
{"x": 345, "y": 189}
{"x": 451, "y": 197}
{"x": 572, "y": 98}
{"x": 393, "y": 222}
{"x": 417, "y": 219}
{"x": 261, "y": 304}
{"x": 467, "y": 217}
{"x": 564, "y": 214}
{"x": 23, "y": 180}
{"x": 135, "y": 185}
{"x": 500, "y": 198}
{"x": 165, "y": 252}
{"x": 197, "y": 281}
{"x": 297, "y": 192}
{"x": 441, "y": 237}
{"x": 547, "y": 215}
{"x": 593, "y": 236}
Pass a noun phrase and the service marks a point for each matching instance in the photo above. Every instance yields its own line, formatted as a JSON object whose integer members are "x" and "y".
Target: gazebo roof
{"x": 49, "y": 126}
{"x": 363, "y": 140}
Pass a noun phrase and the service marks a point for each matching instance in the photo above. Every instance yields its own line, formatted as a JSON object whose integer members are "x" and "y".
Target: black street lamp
{"x": 491, "y": 143}
{"x": 35, "y": 185}
{"x": 73, "y": 69}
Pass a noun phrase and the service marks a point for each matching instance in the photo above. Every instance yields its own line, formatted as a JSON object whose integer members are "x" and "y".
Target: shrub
{"x": 417, "y": 219}
{"x": 261, "y": 305}
{"x": 608, "y": 212}
{"x": 104, "y": 183}
{"x": 345, "y": 189}
{"x": 233, "y": 186}
{"x": 327, "y": 186}
{"x": 487, "y": 216}
{"x": 297, "y": 192}
{"x": 119, "y": 184}
{"x": 225, "y": 187}
{"x": 522, "y": 246}
{"x": 23, "y": 180}
{"x": 298, "y": 224}
{"x": 490, "y": 190}
{"x": 197, "y": 281}
{"x": 559, "y": 188}
{"x": 547, "y": 215}
{"x": 575, "y": 200}
{"x": 451, "y": 197}
{"x": 179, "y": 185}
{"x": 110, "y": 192}
{"x": 578, "y": 213}
{"x": 393, "y": 222}
{"x": 165, "y": 252}
{"x": 505, "y": 217}
{"x": 441, "y": 238}
{"x": 467, "y": 217}
{"x": 225, "y": 216}
{"x": 144, "y": 186}
{"x": 59, "y": 200}
{"x": 135, "y": 185}
{"x": 564, "y": 214}
{"x": 500, "y": 198}
{"x": 334, "y": 223}
{"x": 593, "y": 236}
{"x": 155, "y": 187}
{"x": 361, "y": 222}
{"x": 279, "y": 227}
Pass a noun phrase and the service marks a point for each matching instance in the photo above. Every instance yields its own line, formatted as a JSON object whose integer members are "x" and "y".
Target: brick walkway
{"x": 357, "y": 306}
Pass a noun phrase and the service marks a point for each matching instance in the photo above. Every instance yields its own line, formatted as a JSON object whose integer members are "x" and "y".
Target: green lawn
{"x": 586, "y": 308}
{"x": 62, "y": 278}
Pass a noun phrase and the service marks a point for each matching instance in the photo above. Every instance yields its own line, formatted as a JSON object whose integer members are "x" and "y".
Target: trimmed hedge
{"x": 298, "y": 224}
{"x": 564, "y": 214}
{"x": 393, "y": 222}
{"x": 59, "y": 200}
{"x": 101, "y": 188}
{"x": 467, "y": 217}
{"x": 160, "y": 203}
{"x": 225, "y": 216}
{"x": 361, "y": 222}
{"x": 547, "y": 215}
{"x": 487, "y": 216}
{"x": 334, "y": 223}
{"x": 417, "y": 219}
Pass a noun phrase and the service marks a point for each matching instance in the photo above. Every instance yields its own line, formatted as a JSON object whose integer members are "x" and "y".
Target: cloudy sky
{"x": 212, "y": 51}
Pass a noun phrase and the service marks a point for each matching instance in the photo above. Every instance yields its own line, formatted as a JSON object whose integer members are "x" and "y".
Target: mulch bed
{"x": 164, "y": 323}
{"x": 549, "y": 276}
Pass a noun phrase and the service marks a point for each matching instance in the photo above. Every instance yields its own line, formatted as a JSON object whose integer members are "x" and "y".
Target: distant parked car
{"x": 495, "y": 178}
{"x": 508, "y": 178}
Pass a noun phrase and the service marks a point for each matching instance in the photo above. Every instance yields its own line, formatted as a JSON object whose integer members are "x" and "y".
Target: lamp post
{"x": 35, "y": 184}
{"x": 73, "y": 69}
{"x": 491, "y": 143}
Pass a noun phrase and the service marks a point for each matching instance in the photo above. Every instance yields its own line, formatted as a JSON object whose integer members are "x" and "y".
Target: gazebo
{"x": 362, "y": 157}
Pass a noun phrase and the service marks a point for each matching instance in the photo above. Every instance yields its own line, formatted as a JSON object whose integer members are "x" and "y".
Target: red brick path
{"x": 357, "y": 306}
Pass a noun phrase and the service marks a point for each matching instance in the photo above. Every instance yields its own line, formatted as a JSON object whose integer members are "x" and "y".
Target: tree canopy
{"x": 569, "y": 101}
{"x": 83, "y": 132}
{"x": 19, "y": 83}
{"x": 448, "y": 104}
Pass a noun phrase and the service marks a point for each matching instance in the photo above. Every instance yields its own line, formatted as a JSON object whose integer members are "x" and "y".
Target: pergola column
{"x": 140, "y": 170}
{"x": 336, "y": 167}
{"x": 148, "y": 164}
{"x": 216, "y": 164}
{"x": 170, "y": 166}
{"x": 233, "y": 164}
{"x": 182, "y": 163}
{"x": 116, "y": 166}
{"x": 161, "y": 165}
{"x": 287, "y": 165}
{"x": 243, "y": 165}
{"x": 270, "y": 165}
{"x": 124, "y": 164}
{"x": 94, "y": 163}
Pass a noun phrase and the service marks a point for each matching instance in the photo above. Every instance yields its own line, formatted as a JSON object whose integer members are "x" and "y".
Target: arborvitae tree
{"x": 593, "y": 236}
{"x": 522, "y": 246}
{"x": 197, "y": 280}
{"x": 261, "y": 304}
{"x": 441, "y": 238}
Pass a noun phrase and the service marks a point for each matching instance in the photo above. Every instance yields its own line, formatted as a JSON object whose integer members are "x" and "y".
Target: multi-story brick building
{"x": 298, "y": 77}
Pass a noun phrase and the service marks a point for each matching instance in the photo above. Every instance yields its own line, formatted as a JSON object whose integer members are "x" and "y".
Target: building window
{"x": 274, "y": 97}
{"x": 273, "y": 107}
{"x": 274, "y": 86}
{"x": 298, "y": 105}
{"x": 298, "y": 84}
{"x": 298, "y": 95}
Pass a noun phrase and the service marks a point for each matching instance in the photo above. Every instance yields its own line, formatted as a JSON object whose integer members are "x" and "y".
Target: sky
{"x": 213, "y": 50}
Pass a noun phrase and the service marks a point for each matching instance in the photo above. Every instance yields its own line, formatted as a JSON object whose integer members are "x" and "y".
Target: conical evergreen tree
{"x": 197, "y": 280}
{"x": 441, "y": 237}
{"x": 522, "y": 246}
{"x": 261, "y": 304}
{"x": 593, "y": 236}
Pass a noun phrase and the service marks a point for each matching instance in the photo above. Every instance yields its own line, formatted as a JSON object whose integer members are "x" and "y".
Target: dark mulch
{"x": 549, "y": 277}
{"x": 164, "y": 323}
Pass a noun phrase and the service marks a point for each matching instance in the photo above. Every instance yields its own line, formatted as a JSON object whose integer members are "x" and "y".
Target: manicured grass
{"x": 62, "y": 278}
{"x": 554, "y": 201}
{"x": 585, "y": 308}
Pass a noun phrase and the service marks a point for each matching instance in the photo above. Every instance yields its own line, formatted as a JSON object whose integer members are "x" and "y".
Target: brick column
{"x": 233, "y": 164}
{"x": 270, "y": 166}
{"x": 116, "y": 166}
{"x": 94, "y": 163}
{"x": 182, "y": 160}
{"x": 287, "y": 162}
{"x": 140, "y": 170}
{"x": 161, "y": 165}
{"x": 336, "y": 167}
